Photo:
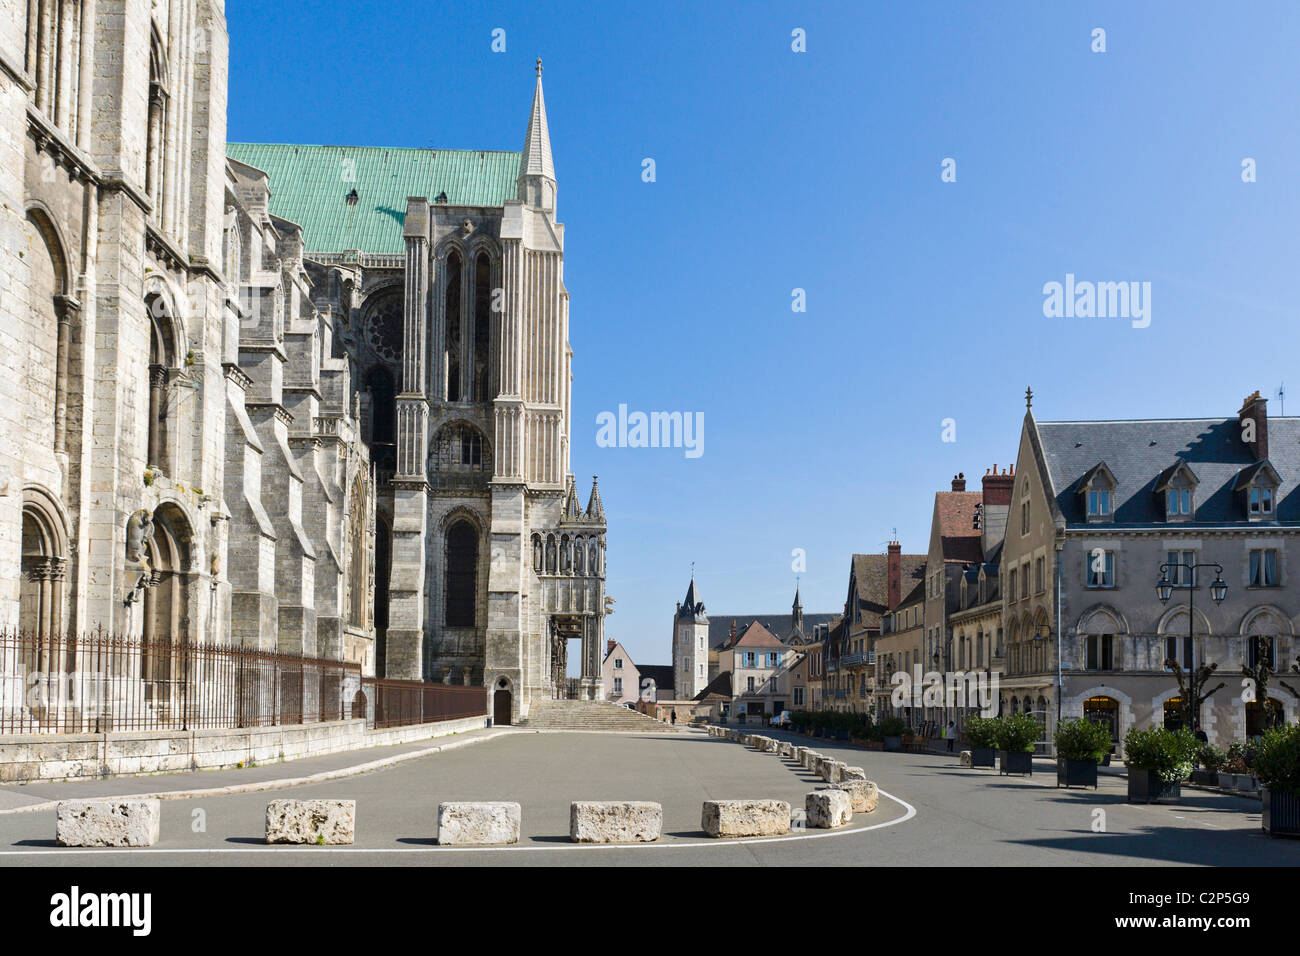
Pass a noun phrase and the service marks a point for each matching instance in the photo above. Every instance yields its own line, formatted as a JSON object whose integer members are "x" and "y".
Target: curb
{"x": 282, "y": 784}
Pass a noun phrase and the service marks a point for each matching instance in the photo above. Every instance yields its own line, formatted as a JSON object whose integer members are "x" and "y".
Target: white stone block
{"x": 324, "y": 822}
{"x": 478, "y": 824}
{"x": 107, "y": 822}
{"x": 627, "y": 821}
{"x": 827, "y": 809}
{"x": 863, "y": 795}
{"x": 965, "y": 758}
{"x": 743, "y": 818}
{"x": 853, "y": 773}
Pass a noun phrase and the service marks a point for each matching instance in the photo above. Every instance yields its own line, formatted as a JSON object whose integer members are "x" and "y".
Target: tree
{"x": 1191, "y": 688}
{"x": 1259, "y": 676}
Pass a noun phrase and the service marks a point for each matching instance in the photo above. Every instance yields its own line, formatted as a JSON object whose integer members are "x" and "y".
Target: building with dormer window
{"x": 1106, "y": 504}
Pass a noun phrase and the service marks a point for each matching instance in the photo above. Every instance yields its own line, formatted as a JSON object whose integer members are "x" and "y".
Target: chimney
{"x": 959, "y": 482}
{"x": 609, "y": 646}
{"x": 1253, "y": 418}
{"x": 997, "y": 488}
{"x": 894, "y": 575}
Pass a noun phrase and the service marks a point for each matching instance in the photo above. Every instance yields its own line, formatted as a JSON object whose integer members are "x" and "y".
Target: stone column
{"x": 404, "y": 652}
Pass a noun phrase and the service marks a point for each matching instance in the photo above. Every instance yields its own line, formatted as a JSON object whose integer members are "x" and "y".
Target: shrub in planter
{"x": 890, "y": 730}
{"x": 1016, "y": 737}
{"x": 1080, "y": 745}
{"x": 982, "y": 733}
{"x": 1277, "y": 764}
{"x": 1159, "y": 760}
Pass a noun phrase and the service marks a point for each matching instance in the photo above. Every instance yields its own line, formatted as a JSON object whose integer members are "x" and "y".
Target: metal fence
{"x": 397, "y": 703}
{"x": 96, "y": 683}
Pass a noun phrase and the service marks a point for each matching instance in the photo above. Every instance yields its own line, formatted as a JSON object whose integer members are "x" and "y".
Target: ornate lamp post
{"x": 1218, "y": 591}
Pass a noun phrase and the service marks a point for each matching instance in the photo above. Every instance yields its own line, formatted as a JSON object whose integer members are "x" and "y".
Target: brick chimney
{"x": 959, "y": 482}
{"x": 1255, "y": 408}
{"x": 609, "y": 646}
{"x": 894, "y": 574}
{"x": 997, "y": 487}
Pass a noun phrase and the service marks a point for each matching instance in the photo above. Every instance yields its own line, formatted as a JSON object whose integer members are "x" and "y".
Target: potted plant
{"x": 1235, "y": 772}
{"x": 891, "y": 730}
{"x": 1017, "y": 735}
{"x": 1080, "y": 745}
{"x": 1210, "y": 758}
{"x": 1158, "y": 761}
{"x": 982, "y": 732}
{"x": 1277, "y": 762}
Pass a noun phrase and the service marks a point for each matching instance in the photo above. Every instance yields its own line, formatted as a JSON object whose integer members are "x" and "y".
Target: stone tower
{"x": 690, "y": 646}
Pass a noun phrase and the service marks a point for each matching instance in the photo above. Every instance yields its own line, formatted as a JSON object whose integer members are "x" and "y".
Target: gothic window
{"x": 384, "y": 329}
{"x": 162, "y": 358}
{"x": 53, "y": 49}
{"x": 459, "y": 449}
{"x": 451, "y": 338}
{"x": 46, "y": 358}
{"x": 358, "y": 552}
{"x": 157, "y": 133}
{"x": 462, "y": 574}
{"x": 382, "y": 407}
{"x": 166, "y": 596}
{"x": 482, "y": 327}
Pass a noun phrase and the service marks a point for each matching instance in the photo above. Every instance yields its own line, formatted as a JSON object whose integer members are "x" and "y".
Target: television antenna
{"x": 1281, "y": 399}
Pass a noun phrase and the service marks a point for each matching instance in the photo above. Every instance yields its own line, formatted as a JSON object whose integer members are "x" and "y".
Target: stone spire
{"x": 692, "y": 608}
{"x": 595, "y": 509}
{"x": 796, "y": 613}
{"x": 536, "y": 180}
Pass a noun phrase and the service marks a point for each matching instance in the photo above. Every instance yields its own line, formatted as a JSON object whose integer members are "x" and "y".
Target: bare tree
{"x": 1191, "y": 688}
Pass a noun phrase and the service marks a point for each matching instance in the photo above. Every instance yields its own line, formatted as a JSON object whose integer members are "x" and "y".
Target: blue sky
{"x": 820, "y": 170}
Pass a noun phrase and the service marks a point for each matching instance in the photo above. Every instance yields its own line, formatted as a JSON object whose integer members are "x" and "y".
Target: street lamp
{"x": 1165, "y": 589}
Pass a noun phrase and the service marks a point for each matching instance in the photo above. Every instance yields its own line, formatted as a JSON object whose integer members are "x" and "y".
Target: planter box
{"x": 984, "y": 757}
{"x": 1145, "y": 787}
{"x": 1227, "y": 780}
{"x": 841, "y": 735}
{"x": 1015, "y": 761}
{"x": 1076, "y": 773}
{"x": 1281, "y": 813}
{"x": 1205, "y": 778}
{"x": 893, "y": 744}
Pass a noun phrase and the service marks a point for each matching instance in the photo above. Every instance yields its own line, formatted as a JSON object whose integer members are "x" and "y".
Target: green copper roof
{"x": 309, "y": 186}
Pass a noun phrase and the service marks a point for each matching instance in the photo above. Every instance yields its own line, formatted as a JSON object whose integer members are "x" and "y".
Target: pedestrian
{"x": 1199, "y": 734}
{"x": 674, "y": 715}
{"x": 951, "y": 734}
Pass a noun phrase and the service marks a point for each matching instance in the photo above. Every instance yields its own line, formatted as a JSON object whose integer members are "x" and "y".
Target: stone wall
{"x": 88, "y": 756}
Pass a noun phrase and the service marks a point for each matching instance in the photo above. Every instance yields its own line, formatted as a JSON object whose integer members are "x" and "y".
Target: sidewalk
{"x": 41, "y": 795}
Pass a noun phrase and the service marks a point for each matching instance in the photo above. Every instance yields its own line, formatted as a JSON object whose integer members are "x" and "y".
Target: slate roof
{"x": 871, "y": 574}
{"x": 692, "y": 608}
{"x": 308, "y": 187}
{"x": 779, "y": 624}
{"x": 662, "y": 674}
{"x": 1137, "y": 452}
{"x": 720, "y": 686}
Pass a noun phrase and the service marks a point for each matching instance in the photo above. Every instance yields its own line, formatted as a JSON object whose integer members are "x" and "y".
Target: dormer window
{"x": 1261, "y": 501}
{"x": 1177, "y": 485}
{"x": 1098, "y": 503}
{"x": 1257, "y": 485}
{"x": 1098, "y": 490}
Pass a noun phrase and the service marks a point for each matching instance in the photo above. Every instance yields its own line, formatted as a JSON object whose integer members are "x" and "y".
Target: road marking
{"x": 515, "y": 848}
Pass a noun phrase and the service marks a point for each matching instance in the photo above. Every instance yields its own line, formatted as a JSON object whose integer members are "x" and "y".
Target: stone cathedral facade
{"x": 308, "y": 399}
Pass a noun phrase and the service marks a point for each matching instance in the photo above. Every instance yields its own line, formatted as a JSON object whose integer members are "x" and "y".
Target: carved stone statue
{"x": 139, "y": 532}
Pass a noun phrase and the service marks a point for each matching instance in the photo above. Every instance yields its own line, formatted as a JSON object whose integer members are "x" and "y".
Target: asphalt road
{"x": 932, "y": 813}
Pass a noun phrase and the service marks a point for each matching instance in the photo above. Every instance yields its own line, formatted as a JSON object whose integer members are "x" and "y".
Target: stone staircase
{"x": 592, "y": 715}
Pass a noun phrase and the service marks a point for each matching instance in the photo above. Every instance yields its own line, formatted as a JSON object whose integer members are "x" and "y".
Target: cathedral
{"x": 312, "y": 400}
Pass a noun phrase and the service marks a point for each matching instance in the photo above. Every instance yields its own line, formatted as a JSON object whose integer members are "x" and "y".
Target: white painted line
{"x": 515, "y": 848}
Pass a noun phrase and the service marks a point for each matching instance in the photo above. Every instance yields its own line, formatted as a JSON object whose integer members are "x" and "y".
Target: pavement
{"x": 931, "y": 813}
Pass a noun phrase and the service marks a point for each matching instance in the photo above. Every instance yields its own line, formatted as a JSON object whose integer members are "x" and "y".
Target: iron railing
{"x": 97, "y": 683}
{"x": 398, "y": 703}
